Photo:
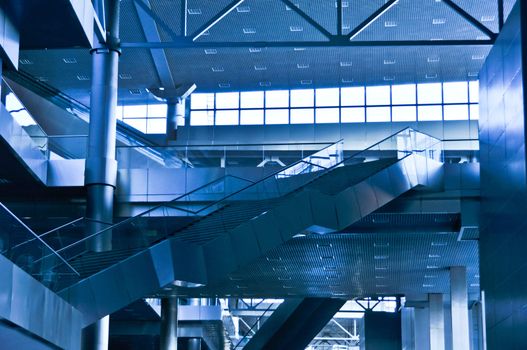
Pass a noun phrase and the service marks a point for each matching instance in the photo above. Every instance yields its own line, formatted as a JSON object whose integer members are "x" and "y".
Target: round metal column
{"x": 194, "y": 344}
{"x": 96, "y": 336}
{"x": 175, "y": 113}
{"x": 168, "y": 333}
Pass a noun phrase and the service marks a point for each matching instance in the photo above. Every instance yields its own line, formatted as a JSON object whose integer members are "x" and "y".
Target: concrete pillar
{"x": 459, "y": 308}
{"x": 168, "y": 333}
{"x": 422, "y": 328}
{"x": 194, "y": 344}
{"x": 408, "y": 328}
{"x": 437, "y": 322}
{"x": 101, "y": 166}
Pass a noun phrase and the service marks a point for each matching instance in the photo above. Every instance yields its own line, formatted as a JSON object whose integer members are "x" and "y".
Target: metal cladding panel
{"x": 348, "y": 209}
{"x": 244, "y": 243}
{"x": 140, "y": 265}
{"x": 162, "y": 253}
{"x": 188, "y": 262}
{"x": 267, "y": 231}
{"x": 219, "y": 258}
{"x": 290, "y": 214}
{"x": 324, "y": 211}
{"x": 366, "y": 197}
{"x": 399, "y": 182}
{"x": 6, "y": 286}
{"x": 381, "y": 183}
{"x": 108, "y": 290}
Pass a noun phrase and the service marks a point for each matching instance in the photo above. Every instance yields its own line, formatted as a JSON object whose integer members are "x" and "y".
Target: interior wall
{"x": 503, "y": 235}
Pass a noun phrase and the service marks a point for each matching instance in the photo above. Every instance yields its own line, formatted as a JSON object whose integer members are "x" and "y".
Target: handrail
{"x": 206, "y": 207}
{"x": 234, "y": 144}
{"x": 38, "y": 238}
{"x": 252, "y": 327}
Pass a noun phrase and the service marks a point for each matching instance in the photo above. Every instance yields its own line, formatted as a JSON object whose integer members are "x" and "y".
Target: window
{"x": 277, "y": 116}
{"x": 252, "y": 99}
{"x": 277, "y": 98}
{"x": 227, "y": 100}
{"x": 404, "y": 94}
{"x": 429, "y": 93}
{"x": 473, "y": 90}
{"x": 227, "y": 117}
{"x": 455, "y": 92}
{"x": 328, "y": 97}
{"x": 378, "y": 114}
{"x": 202, "y": 101}
{"x": 201, "y": 118}
{"x": 302, "y": 98}
{"x": 135, "y": 111}
{"x": 429, "y": 113}
{"x": 353, "y": 96}
{"x": 252, "y": 117}
{"x": 302, "y": 116}
{"x": 456, "y": 112}
{"x": 378, "y": 95}
{"x": 404, "y": 114}
{"x": 327, "y": 115}
{"x": 156, "y": 126}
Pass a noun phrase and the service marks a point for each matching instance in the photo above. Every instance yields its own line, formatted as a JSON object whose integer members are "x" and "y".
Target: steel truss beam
{"x": 470, "y": 19}
{"x": 221, "y": 15}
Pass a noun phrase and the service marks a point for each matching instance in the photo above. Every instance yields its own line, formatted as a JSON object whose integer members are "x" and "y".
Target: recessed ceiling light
{"x": 255, "y": 49}
{"x": 224, "y": 85}
{"x": 381, "y": 268}
{"x": 243, "y": 9}
{"x": 135, "y": 91}
{"x": 431, "y": 76}
{"x": 426, "y": 285}
{"x": 346, "y": 63}
{"x": 274, "y": 259}
{"x": 25, "y": 61}
{"x": 430, "y": 267}
{"x": 324, "y": 245}
{"x": 381, "y": 257}
{"x": 389, "y": 61}
{"x": 478, "y": 57}
{"x": 481, "y": 37}
{"x": 380, "y": 277}
{"x": 438, "y": 20}
{"x": 487, "y": 18}
{"x": 268, "y": 83}
{"x": 433, "y": 59}
{"x": 306, "y": 82}
{"x": 83, "y": 77}
{"x": 299, "y": 49}
{"x": 284, "y": 278}
{"x": 217, "y": 69}
{"x": 473, "y": 74}
{"x": 302, "y": 65}
{"x": 279, "y": 268}
{"x": 125, "y": 76}
{"x": 381, "y": 245}
{"x": 381, "y": 285}
{"x": 434, "y": 256}
{"x": 439, "y": 244}
{"x": 241, "y": 286}
{"x": 476, "y": 276}
{"x": 430, "y": 276}
{"x": 327, "y": 257}
{"x": 286, "y": 286}
{"x": 389, "y": 78}
{"x": 390, "y": 24}
{"x": 249, "y": 31}
{"x": 260, "y": 67}
{"x": 69, "y": 60}
{"x": 346, "y": 80}
{"x": 474, "y": 284}
{"x": 211, "y": 51}
{"x": 330, "y": 268}
{"x": 194, "y": 11}
{"x": 296, "y": 28}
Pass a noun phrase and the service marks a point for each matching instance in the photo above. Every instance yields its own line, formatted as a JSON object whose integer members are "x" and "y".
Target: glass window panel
{"x": 227, "y": 117}
{"x": 252, "y": 99}
{"x": 429, "y": 93}
{"x": 201, "y": 118}
{"x": 455, "y": 92}
{"x": 134, "y": 111}
{"x": 473, "y": 88}
{"x": 139, "y": 124}
{"x": 302, "y": 98}
{"x": 352, "y": 115}
{"x": 23, "y": 118}
{"x": 119, "y": 112}
{"x": 277, "y": 98}
{"x": 202, "y": 101}
{"x": 377, "y": 95}
{"x": 456, "y": 112}
{"x": 156, "y": 126}
{"x": 302, "y": 116}
{"x": 12, "y": 103}
{"x": 157, "y": 111}
{"x": 227, "y": 100}
{"x": 327, "y": 97}
{"x": 352, "y": 96}
{"x": 403, "y": 94}
{"x": 474, "y": 112}
{"x": 427, "y": 113}
{"x": 327, "y": 115}
{"x": 252, "y": 117}
{"x": 378, "y": 114}
{"x": 404, "y": 114}
{"x": 277, "y": 116}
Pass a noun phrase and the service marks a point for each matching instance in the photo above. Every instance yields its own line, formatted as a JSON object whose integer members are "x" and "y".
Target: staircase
{"x": 323, "y": 193}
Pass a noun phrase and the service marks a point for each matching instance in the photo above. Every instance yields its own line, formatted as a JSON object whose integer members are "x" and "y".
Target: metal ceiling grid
{"x": 355, "y": 265}
{"x": 324, "y": 12}
{"x": 130, "y": 27}
{"x": 420, "y": 20}
{"x": 170, "y": 12}
{"x": 484, "y": 11}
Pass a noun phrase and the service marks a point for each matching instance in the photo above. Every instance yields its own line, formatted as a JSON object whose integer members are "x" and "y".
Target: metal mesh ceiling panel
{"x": 171, "y": 13}
{"x": 483, "y": 11}
{"x": 354, "y": 265}
{"x": 322, "y": 11}
{"x": 263, "y": 20}
{"x": 200, "y": 12}
{"x": 420, "y": 20}
{"x": 130, "y": 28}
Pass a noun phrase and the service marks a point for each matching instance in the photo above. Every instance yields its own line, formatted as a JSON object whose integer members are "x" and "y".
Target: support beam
{"x": 157, "y": 19}
{"x": 372, "y": 18}
{"x": 459, "y": 308}
{"x": 168, "y": 333}
{"x": 437, "y": 322}
{"x": 216, "y": 19}
{"x": 477, "y": 24}
{"x": 308, "y": 19}
{"x": 294, "y": 324}
{"x": 184, "y": 43}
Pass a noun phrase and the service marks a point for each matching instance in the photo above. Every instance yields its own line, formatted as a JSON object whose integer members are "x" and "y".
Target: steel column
{"x": 101, "y": 166}
{"x": 437, "y": 322}
{"x": 194, "y": 344}
{"x": 96, "y": 336}
{"x": 459, "y": 307}
{"x": 175, "y": 113}
{"x": 168, "y": 334}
